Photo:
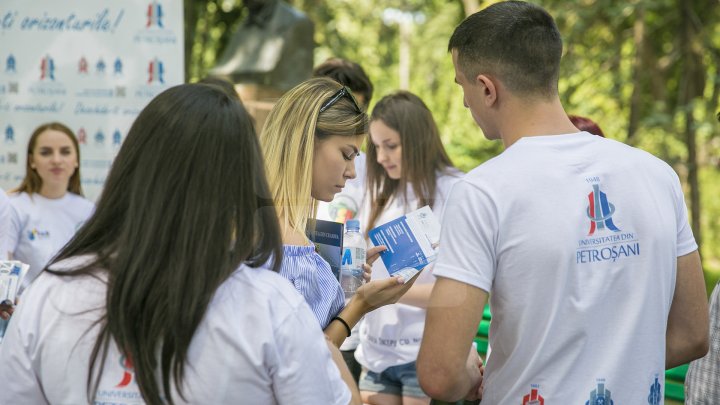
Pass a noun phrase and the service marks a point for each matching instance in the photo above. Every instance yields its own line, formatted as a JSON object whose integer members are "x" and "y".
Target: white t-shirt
{"x": 391, "y": 335}
{"x": 258, "y": 343}
{"x": 347, "y": 204}
{"x": 40, "y": 227}
{"x": 576, "y": 237}
{"x": 4, "y": 225}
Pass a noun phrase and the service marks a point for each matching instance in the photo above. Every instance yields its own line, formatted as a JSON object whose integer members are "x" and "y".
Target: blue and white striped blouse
{"x": 312, "y": 277}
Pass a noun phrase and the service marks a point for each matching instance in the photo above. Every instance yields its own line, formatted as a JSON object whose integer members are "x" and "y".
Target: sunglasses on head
{"x": 343, "y": 92}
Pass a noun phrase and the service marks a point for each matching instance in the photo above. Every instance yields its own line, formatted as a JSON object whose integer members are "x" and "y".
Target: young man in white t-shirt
{"x": 582, "y": 242}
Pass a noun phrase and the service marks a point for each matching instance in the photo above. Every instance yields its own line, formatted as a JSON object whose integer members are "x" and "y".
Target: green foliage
{"x": 606, "y": 63}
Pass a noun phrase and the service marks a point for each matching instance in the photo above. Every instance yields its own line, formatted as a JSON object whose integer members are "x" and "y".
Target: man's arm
{"x": 453, "y": 314}
{"x": 687, "y": 327}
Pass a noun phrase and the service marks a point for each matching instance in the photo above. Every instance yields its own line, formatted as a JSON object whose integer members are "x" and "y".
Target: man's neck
{"x": 521, "y": 118}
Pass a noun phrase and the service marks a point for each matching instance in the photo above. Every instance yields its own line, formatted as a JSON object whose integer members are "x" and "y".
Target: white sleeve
{"x": 14, "y": 229}
{"x": 468, "y": 237}
{"x": 685, "y": 238}
{"x": 306, "y": 373}
{"x": 20, "y": 384}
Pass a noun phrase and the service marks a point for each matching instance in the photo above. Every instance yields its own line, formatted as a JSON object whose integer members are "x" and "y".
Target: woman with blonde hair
{"x": 310, "y": 140}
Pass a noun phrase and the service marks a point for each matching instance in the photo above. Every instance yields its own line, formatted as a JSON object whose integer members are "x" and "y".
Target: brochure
{"x": 411, "y": 241}
{"x": 328, "y": 239}
{"x": 11, "y": 276}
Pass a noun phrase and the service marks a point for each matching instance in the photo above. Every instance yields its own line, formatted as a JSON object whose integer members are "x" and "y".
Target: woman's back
{"x": 258, "y": 343}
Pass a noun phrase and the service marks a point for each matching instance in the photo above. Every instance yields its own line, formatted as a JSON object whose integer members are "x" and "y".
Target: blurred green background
{"x": 646, "y": 70}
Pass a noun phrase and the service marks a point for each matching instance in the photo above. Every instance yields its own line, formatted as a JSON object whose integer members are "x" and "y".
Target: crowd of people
{"x": 192, "y": 280}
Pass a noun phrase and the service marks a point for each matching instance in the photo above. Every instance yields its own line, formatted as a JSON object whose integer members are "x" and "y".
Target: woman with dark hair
{"x": 161, "y": 296}
{"x": 48, "y": 207}
{"x": 407, "y": 169}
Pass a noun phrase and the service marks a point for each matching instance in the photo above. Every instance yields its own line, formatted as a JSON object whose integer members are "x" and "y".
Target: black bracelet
{"x": 342, "y": 321}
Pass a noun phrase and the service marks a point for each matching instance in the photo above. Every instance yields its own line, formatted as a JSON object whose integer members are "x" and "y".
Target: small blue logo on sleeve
{"x": 655, "y": 397}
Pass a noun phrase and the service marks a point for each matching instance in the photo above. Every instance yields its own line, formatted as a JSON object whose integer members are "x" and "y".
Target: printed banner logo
{"x": 83, "y": 66}
{"x": 10, "y": 64}
{"x": 600, "y": 211}
{"x": 9, "y": 134}
{"x": 156, "y": 71}
{"x": 154, "y": 15}
{"x": 47, "y": 68}
{"x": 533, "y": 398}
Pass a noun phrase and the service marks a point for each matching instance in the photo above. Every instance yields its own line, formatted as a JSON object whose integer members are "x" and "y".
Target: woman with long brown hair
{"x": 408, "y": 168}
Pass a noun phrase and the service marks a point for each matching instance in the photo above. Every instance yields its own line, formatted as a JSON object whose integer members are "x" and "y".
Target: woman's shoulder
{"x": 80, "y": 200}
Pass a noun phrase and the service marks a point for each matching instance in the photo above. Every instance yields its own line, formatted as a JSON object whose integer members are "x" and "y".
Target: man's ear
{"x": 487, "y": 88}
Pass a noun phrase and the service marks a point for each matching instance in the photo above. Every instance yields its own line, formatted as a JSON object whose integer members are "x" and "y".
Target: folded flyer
{"x": 11, "y": 276}
{"x": 328, "y": 239}
{"x": 411, "y": 241}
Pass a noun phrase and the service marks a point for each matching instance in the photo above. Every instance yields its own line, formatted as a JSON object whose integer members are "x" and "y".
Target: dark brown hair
{"x": 32, "y": 183}
{"x": 423, "y": 154}
{"x": 518, "y": 42}
{"x": 184, "y": 205}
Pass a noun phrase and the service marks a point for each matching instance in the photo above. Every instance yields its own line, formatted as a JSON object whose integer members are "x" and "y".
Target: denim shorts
{"x": 396, "y": 380}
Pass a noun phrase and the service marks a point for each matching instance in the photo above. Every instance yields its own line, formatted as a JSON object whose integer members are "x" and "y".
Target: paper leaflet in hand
{"x": 411, "y": 242}
{"x": 11, "y": 276}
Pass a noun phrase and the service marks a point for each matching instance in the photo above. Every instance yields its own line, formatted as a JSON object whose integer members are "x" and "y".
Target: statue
{"x": 272, "y": 48}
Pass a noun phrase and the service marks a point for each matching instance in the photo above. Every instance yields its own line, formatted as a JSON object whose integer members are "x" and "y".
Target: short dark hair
{"x": 518, "y": 42}
{"x": 185, "y": 204}
{"x": 221, "y": 83}
{"x": 349, "y": 74}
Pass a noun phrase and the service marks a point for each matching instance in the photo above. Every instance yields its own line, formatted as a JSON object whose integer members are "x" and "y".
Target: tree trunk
{"x": 190, "y": 9}
{"x": 691, "y": 87}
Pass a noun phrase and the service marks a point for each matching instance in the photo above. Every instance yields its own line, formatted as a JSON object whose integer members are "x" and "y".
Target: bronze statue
{"x": 272, "y": 48}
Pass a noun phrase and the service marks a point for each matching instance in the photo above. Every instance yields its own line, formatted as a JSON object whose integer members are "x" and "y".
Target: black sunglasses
{"x": 343, "y": 92}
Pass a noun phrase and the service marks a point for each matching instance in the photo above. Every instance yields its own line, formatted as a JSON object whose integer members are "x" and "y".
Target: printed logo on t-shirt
{"x": 600, "y": 395}
{"x": 125, "y": 392}
{"x": 655, "y": 396}
{"x": 36, "y": 234}
{"x": 600, "y": 211}
{"x": 605, "y": 241}
{"x": 533, "y": 398}
{"x": 128, "y": 372}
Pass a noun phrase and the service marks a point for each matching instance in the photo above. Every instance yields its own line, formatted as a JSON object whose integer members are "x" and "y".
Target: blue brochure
{"x": 328, "y": 239}
{"x": 411, "y": 241}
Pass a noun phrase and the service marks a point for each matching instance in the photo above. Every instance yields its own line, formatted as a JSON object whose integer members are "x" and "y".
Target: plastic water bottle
{"x": 354, "y": 250}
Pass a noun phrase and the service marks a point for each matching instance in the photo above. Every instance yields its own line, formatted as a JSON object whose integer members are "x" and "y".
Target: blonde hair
{"x": 288, "y": 140}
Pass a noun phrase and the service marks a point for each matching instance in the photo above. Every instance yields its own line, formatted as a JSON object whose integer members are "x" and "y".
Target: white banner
{"x": 91, "y": 65}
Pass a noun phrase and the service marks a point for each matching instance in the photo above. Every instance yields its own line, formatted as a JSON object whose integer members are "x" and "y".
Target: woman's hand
{"x": 378, "y": 293}
{"x": 373, "y": 253}
{"x": 6, "y": 309}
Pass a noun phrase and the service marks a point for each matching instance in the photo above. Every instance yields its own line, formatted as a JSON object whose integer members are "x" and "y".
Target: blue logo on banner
{"x": 99, "y": 137}
{"x": 100, "y": 66}
{"x": 156, "y": 71}
{"x": 655, "y": 390}
{"x": 117, "y": 67}
{"x": 154, "y": 15}
{"x": 9, "y": 134}
{"x": 117, "y": 137}
{"x": 47, "y": 68}
{"x": 10, "y": 64}
{"x": 600, "y": 396}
